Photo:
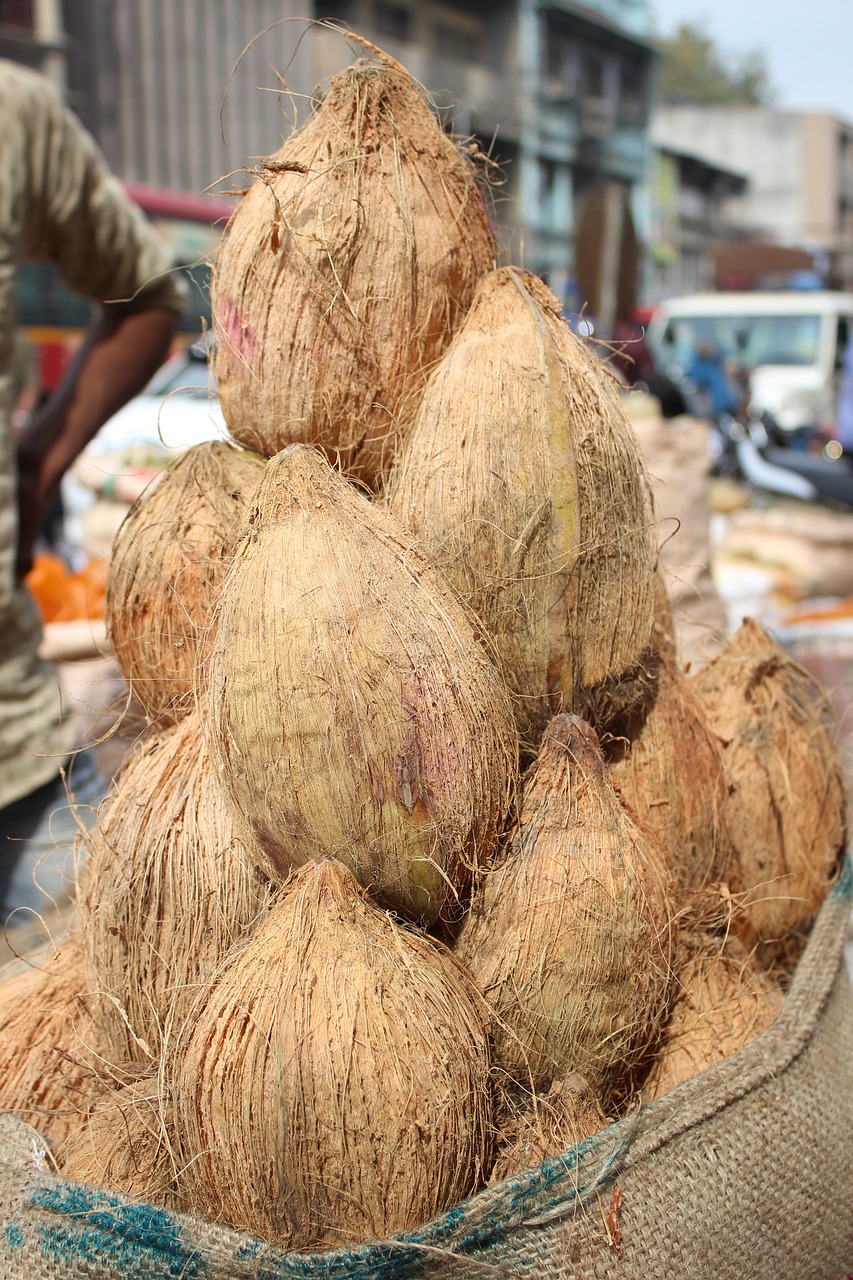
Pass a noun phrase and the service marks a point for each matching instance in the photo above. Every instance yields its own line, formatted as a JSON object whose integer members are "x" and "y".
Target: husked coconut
{"x": 347, "y": 701}
{"x": 332, "y": 1085}
{"x": 51, "y": 1049}
{"x": 171, "y": 885}
{"x": 344, "y": 272}
{"x": 539, "y": 1126}
{"x": 723, "y": 1001}
{"x": 570, "y": 936}
{"x": 668, "y": 770}
{"x": 168, "y": 556}
{"x": 786, "y": 802}
{"x": 523, "y": 478}
{"x": 123, "y": 1142}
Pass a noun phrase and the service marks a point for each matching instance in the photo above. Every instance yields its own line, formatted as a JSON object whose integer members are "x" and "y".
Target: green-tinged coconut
{"x": 347, "y": 700}
{"x": 51, "y": 1048}
{"x": 533, "y": 1127}
{"x": 523, "y": 478}
{"x": 570, "y": 936}
{"x": 723, "y": 1001}
{"x": 170, "y": 887}
{"x": 668, "y": 770}
{"x": 333, "y": 1085}
{"x": 344, "y": 272}
{"x": 123, "y": 1142}
{"x": 169, "y": 554}
{"x": 786, "y": 805}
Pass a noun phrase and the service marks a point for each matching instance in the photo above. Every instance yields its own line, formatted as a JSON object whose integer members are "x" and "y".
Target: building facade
{"x": 187, "y": 95}
{"x": 799, "y": 170}
{"x": 690, "y": 219}
{"x": 555, "y": 93}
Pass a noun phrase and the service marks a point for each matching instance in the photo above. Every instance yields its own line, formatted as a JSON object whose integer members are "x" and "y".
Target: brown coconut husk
{"x": 52, "y": 1061}
{"x": 344, "y": 272}
{"x": 333, "y": 1085}
{"x": 570, "y": 937}
{"x": 123, "y": 1142}
{"x": 523, "y": 478}
{"x": 170, "y": 887}
{"x": 786, "y": 804}
{"x": 168, "y": 557}
{"x": 668, "y": 770}
{"x": 723, "y": 1001}
{"x": 355, "y": 713}
{"x": 535, "y": 1127}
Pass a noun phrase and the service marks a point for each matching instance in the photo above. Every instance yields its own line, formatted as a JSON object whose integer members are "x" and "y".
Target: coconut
{"x": 123, "y": 1142}
{"x": 723, "y": 1001}
{"x": 349, "y": 705}
{"x": 51, "y": 1049}
{"x": 668, "y": 769}
{"x": 333, "y": 1084}
{"x": 170, "y": 887}
{"x": 537, "y": 1127}
{"x": 345, "y": 270}
{"x": 523, "y": 478}
{"x": 570, "y": 935}
{"x": 786, "y": 805}
{"x": 168, "y": 557}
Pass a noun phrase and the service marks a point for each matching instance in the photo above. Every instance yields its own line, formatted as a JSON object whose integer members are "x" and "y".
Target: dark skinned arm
{"x": 122, "y": 350}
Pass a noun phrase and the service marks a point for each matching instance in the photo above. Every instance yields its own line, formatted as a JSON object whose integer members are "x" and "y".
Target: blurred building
{"x": 799, "y": 167}
{"x": 184, "y": 93}
{"x": 555, "y": 92}
{"x": 692, "y": 217}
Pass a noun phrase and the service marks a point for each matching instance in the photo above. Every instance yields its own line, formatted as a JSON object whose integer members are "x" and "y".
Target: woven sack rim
{"x": 544, "y": 1194}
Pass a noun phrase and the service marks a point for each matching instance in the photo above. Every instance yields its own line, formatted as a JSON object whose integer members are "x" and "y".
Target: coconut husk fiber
{"x": 534, "y": 1127}
{"x": 786, "y": 803}
{"x": 51, "y": 1049}
{"x": 723, "y": 1001}
{"x": 168, "y": 556}
{"x": 347, "y": 701}
{"x": 523, "y": 478}
{"x": 123, "y": 1142}
{"x": 668, "y": 770}
{"x": 170, "y": 887}
{"x": 570, "y": 936}
{"x": 344, "y": 272}
{"x": 333, "y": 1084}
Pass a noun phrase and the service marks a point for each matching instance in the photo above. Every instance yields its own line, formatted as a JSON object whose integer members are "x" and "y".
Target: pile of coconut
{"x": 435, "y": 861}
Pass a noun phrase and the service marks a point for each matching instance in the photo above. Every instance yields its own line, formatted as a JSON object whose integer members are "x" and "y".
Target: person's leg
{"x": 37, "y": 838}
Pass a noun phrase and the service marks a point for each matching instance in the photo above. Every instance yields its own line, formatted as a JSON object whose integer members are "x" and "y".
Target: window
{"x": 393, "y": 20}
{"x": 337, "y": 11}
{"x": 592, "y": 80}
{"x": 452, "y": 41}
{"x": 559, "y": 60}
{"x": 632, "y": 93}
{"x": 17, "y": 13}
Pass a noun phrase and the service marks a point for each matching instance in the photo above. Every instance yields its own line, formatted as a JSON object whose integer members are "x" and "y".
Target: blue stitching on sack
{"x": 843, "y": 887}
{"x": 101, "y": 1226}
{"x": 14, "y": 1236}
{"x": 133, "y": 1237}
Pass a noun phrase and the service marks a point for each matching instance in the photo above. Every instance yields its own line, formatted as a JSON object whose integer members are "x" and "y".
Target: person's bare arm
{"x": 122, "y": 350}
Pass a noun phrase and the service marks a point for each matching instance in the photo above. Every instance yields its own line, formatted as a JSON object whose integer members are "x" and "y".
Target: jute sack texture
{"x": 743, "y": 1172}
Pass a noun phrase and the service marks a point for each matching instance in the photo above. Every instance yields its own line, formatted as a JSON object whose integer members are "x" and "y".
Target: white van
{"x": 792, "y": 344}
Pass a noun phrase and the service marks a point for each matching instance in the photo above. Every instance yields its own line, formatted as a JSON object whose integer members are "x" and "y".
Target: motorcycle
{"x": 751, "y": 447}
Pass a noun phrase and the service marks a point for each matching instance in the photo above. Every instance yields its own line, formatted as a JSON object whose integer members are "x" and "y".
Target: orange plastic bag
{"x": 63, "y": 596}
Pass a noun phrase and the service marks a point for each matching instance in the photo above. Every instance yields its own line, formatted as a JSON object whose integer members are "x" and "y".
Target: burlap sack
{"x": 744, "y": 1173}
{"x": 676, "y": 454}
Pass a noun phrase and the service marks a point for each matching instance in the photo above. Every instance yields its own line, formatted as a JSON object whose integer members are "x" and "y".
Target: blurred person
{"x": 60, "y": 203}
{"x": 706, "y": 370}
{"x": 634, "y": 362}
{"x": 844, "y": 409}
